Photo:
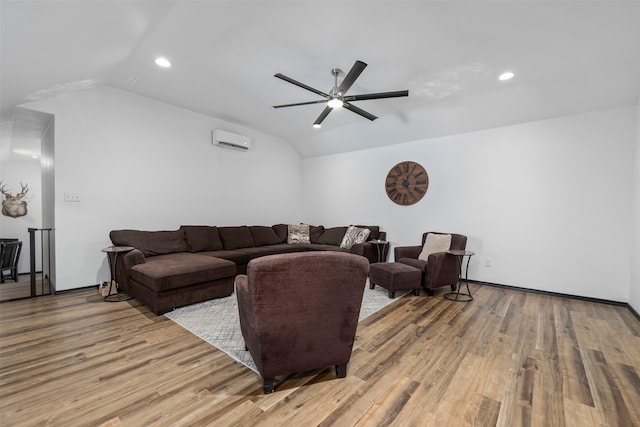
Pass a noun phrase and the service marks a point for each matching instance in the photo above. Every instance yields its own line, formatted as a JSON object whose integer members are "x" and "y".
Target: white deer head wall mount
{"x": 14, "y": 206}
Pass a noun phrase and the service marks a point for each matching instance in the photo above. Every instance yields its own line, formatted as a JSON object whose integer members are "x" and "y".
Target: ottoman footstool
{"x": 395, "y": 276}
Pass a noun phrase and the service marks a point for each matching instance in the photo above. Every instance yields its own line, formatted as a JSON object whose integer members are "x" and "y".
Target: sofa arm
{"x": 123, "y": 269}
{"x": 406, "y": 252}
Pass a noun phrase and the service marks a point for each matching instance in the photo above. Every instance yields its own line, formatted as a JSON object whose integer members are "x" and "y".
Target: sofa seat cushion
{"x": 165, "y": 272}
{"x": 417, "y": 263}
{"x": 321, "y": 247}
{"x": 282, "y": 248}
{"x": 236, "y": 256}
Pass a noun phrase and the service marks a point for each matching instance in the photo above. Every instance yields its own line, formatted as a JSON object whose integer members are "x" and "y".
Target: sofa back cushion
{"x": 263, "y": 236}
{"x": 332, "y": 236}
{"x": 236, "y": 237}
{"x": 282, "y": 231}
{"x": 202, "y": 238}
{"x": 151, "y": 242}
{"x": 315, "y": 231}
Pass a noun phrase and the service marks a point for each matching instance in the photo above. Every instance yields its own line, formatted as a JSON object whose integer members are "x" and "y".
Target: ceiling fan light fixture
{"x": 335, "y": 103}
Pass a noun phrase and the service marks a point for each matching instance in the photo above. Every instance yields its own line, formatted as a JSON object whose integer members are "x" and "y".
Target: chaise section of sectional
{"x": 175, "y": 280}
{"x": 162, "y": 274}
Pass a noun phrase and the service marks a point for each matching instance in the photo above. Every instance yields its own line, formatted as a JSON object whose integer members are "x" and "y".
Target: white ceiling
{"x": 568, "y": 56}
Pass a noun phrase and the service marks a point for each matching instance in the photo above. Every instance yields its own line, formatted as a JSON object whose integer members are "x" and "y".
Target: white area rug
{"x": 216, "y": 321}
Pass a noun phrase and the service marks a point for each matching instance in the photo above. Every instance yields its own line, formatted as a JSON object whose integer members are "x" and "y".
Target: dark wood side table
{"x": 112, "y": 255}
{"x": 459, "y": 295}
{"x": 381, "y": 246}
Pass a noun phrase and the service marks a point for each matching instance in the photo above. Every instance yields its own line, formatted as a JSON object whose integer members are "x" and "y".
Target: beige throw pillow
{"x": 435, "y": 243}
{"x": 298, "y": 234}
{"x": 353, "y": 236}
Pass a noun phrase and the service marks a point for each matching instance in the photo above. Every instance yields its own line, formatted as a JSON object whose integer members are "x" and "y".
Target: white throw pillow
{"x": 353, "y": 236}
{"x": 298, "y": 233}
{"x": 435, "y": 243}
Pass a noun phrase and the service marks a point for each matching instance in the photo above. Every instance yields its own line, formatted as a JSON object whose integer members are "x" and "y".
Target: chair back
{"x": 9, "y": 253}
{"x": 300, "y": 311}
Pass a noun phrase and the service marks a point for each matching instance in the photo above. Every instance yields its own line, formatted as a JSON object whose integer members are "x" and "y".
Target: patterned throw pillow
{"x": 354, "y": 235}
{"x": 435, "y": 243}
{"x": 298, "y": 233}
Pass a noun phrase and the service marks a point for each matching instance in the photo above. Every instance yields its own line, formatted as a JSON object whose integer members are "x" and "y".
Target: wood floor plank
{"x": 507, "y": 358}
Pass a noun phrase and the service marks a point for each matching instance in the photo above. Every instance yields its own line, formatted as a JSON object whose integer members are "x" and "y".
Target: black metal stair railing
{"x": 45, "y": 237}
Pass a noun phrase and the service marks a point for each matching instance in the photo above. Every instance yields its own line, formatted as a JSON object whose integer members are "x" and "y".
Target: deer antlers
{"x": 23, "y": 191}
{"x": 20, "y": 195}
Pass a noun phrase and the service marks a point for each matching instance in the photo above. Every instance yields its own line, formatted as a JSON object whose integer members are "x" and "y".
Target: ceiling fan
{"x": 337, "y": 97}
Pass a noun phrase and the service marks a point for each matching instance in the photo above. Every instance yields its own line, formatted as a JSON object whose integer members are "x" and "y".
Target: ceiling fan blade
{"x": 359, "y": 111}
{"x": 380, "y": 95}
{"x": 300, "y": 103}
{"x": 351, "y": 77}
{"x": 323, "y": 115}
{"x": 302, "y": 85}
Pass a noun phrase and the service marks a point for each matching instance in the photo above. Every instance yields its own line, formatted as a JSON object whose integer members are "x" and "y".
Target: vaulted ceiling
{"x": 568, "y": 57}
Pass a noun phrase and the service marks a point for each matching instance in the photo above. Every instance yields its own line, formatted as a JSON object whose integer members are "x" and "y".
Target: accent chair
{"x": 299, "y": 311}
{"x": 438, "y": 267}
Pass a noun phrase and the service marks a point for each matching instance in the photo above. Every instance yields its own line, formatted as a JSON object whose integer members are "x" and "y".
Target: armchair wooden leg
{"x": 372, "y": 285}
{"x": 430, "y": 292}
{"x": 341, "y": 370}
{"x": 267, "y": 387}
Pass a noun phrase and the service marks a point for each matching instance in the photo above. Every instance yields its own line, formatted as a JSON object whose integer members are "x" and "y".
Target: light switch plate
{"x": 71, "y": 197}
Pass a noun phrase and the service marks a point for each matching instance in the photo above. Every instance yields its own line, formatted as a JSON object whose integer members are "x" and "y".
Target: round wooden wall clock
{"x": 406, "y": 183}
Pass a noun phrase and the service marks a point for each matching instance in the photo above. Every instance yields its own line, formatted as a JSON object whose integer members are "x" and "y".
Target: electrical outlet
{"x": 487, "y": 262}
{"x": 71, "y": 197}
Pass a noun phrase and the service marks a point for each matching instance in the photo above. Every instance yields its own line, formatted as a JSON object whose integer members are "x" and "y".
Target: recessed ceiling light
{"x": 163, "y": 62}
{"x": 507, "y": 75}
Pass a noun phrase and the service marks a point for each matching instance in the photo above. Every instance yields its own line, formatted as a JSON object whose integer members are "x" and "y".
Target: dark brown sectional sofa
{"x": 170, "y": 269}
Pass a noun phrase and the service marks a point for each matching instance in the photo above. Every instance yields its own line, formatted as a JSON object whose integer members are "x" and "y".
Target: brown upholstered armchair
{"x": 299, "y": 311}
{"x": 440, "y": 268}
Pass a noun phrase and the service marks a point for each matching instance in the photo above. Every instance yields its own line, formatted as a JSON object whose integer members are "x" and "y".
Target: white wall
{"x": 634, "y": 296}
{"x": 142, "y": 164}
{"x": 547, "y": 202}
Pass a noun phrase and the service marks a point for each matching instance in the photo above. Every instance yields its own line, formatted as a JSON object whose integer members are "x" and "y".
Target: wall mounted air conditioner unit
{"x": 225, "y": 139}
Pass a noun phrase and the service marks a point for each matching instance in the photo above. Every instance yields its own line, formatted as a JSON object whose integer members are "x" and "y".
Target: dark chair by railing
{"x": 9, "y": 256}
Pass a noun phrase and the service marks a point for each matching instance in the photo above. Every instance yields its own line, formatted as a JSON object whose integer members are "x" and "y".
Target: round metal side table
{"x": 381, "y": 246}
{"x": 112, "y": 255}
{"x": 458, "y": 294}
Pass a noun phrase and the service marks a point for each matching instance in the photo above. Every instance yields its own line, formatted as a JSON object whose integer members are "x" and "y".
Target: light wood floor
{"x": 508, "y": 358}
